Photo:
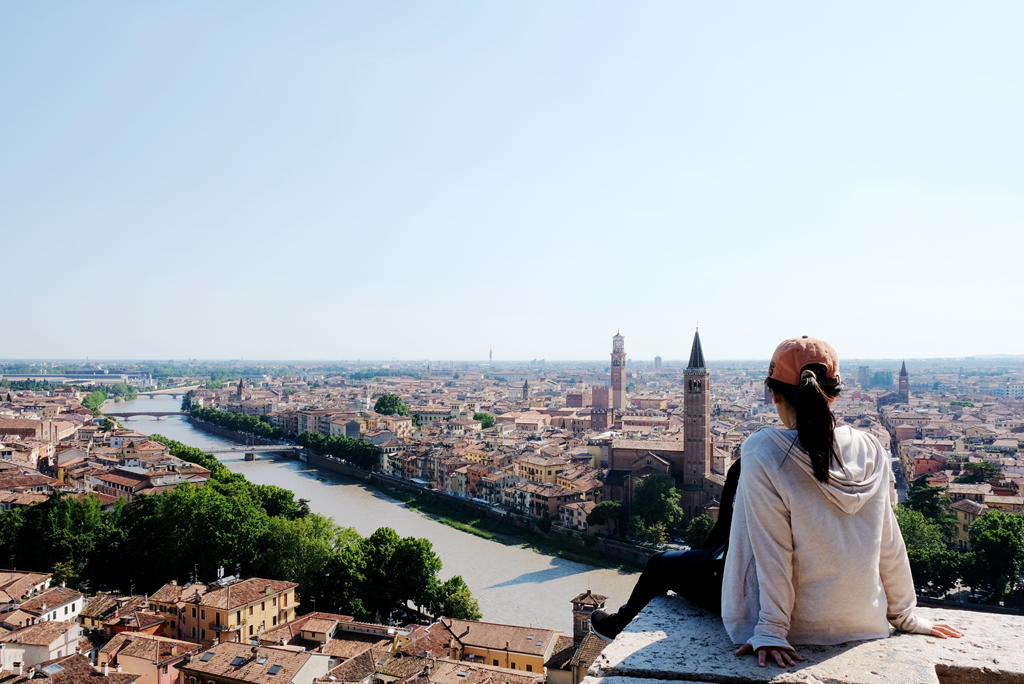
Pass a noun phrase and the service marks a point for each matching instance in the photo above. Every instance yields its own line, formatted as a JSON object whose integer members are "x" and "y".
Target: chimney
{"x": 16, "y": 668}
{"x": 119, "y": 667}
{"x": 106, "y": 669}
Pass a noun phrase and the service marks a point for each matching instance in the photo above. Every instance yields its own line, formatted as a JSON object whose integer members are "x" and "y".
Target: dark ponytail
{"x": 815, "y": 424}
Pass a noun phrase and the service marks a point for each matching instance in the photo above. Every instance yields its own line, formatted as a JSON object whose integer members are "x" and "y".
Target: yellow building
{"x": 239, "y": 611}
{"x": 508, "y": 646}
{"x": 967, "y": 511}
{"x": 540, "y": 469}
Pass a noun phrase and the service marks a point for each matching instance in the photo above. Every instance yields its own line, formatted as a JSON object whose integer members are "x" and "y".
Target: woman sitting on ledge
{"x": 806, "y": 549}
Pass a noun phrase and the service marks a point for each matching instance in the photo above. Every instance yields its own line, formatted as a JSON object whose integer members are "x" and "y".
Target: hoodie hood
{"x": 862, "y": 467}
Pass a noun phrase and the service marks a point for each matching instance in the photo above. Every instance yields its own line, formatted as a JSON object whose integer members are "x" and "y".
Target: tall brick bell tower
{"x": 696, "y": 432}
{"x": 619, "y": 372}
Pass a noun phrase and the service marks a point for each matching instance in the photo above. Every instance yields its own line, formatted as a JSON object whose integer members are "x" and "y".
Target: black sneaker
{"x": 605, "y": 625}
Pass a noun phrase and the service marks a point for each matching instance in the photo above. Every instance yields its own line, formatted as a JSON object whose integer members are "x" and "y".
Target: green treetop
{"x": 391, "y": 405}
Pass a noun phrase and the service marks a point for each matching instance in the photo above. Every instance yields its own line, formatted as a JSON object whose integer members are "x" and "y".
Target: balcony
{"x": 674, "y": 640}
{"x": 217, "y": 627}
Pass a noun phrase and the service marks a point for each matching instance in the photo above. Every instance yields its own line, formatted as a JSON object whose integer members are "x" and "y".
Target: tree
{"x": 637, "y": 530}
{"x": 655, "y": 500}
{"x": 605, "y": 512}
{"x": 930, "y": 502}
{"x": 974, "y": 473}
{"x": 698, "y": 530}
{"x": 935, "y": 572}
{"x": 93, "y": 401}
{"x": 919, "y": 533}
{"x": 656, "y": 533}
{"x": 486, "y": 419}
{"x": 390, "y": 405}
{"x": 997, "y": 553}
{"x": 453, "y": 599}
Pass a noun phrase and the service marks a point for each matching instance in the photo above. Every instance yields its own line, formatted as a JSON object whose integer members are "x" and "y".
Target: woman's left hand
{"x": 783, "y": 657}
{"x": 944, "y": 631}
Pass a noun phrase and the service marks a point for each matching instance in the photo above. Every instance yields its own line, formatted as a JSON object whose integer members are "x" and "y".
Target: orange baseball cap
{"x": 794, "y": 354}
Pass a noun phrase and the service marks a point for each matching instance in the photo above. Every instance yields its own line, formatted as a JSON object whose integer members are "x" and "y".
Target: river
{"x": 513, "y": 585}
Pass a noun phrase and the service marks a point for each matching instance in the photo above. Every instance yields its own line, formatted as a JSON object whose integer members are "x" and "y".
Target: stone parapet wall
{"x": 673, "y": 640}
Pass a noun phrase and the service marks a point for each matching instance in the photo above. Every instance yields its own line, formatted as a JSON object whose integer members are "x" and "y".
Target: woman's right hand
{"x": 945, "y": 631}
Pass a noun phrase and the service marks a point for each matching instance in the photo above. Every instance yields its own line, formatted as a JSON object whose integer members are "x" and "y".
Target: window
{"x": 274, "y": 620}
{"x": 273, "y": 601}
{"x": 263, "y": 606}
{"x": 193, "y": 632}
{"x": 250, "y": 610}
{"x": 529, "y": 668}
{"x": 250, "y": 630}
{"x": 65, "y": 610}
{"x": 495, "y": 662}
{"x": 202, "y": 634}
{"x": 191, "y": 680}
{"x": 238, "y": 616}
{"x": 202, "y": 614}
{"x": 286, "y": 599}
{"x": 193, "y": 614}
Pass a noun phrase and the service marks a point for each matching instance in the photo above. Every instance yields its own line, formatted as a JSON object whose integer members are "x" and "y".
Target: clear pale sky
{"x": 425, "y": 180}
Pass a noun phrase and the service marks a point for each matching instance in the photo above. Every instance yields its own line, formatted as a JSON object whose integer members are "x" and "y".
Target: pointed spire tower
{"x": 904, "y": 384}
{"x": 696, "y": 432}
{"x": 619, "y": 400}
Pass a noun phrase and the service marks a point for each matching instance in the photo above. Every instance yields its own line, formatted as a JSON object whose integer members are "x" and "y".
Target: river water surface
{"x": 513, "y": 585}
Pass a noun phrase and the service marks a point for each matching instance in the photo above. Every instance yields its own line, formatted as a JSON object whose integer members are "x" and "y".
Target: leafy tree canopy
{"x": 698, "y": 530}
{"x": 974, "y": 473}
{"x": 604, "y": 512}
{"x": 486, "y": 419}
{"x": 656, "y": 500}
{"x": 997, "y": 553}
{"x": 930, "y": 502}
{"x": 919, "y": 533}
{"x": 391, "y": 405}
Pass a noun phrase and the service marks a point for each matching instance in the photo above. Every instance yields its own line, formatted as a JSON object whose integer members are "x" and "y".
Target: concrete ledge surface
{"x": 673, "y": 640}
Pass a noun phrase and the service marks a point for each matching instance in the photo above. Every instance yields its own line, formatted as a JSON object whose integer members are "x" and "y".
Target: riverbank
{"x": 473, "y": 518}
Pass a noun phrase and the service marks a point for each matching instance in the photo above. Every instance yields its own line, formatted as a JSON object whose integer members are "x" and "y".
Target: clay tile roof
{"x": 244, "y": 592}
{"x": 590, "y": 599}
{"x": 249, "y": 669}
{"x": 319, "y": 625}
{"x": 99, "y": 606}
{"x": 39, "y": 634}
{"x": 51, "y": 598}
{"x": 172, "y": 593}
{"x": 491, "y": 635}
{"x": 76, "y": 669}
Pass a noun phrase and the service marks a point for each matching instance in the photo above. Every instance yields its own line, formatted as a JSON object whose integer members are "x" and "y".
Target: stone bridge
{"x": 131, "y": 414}
{"x": 262, "y": 448}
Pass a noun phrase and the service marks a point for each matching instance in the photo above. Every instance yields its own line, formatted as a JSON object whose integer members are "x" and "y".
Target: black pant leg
{"x": 694, "y": 574}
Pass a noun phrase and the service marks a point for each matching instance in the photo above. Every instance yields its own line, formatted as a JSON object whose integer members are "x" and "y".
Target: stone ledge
{"x": 673, "y": 640}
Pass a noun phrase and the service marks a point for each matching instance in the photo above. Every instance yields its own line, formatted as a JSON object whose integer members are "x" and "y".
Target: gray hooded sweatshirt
{"x": 814, "y": 563}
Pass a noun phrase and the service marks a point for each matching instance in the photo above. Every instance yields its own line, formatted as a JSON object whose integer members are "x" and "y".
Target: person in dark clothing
{"x": 695, "y": 574}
